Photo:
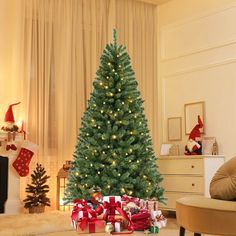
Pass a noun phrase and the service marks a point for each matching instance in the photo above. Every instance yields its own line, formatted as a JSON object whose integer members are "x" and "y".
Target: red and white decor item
{"x": 117, "y": 217}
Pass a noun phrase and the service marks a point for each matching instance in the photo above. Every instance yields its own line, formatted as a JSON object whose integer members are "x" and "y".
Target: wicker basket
{"x": 37, "y": 209}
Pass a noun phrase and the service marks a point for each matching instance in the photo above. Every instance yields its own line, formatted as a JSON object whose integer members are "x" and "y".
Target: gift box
{"x": 112, "y": 205}
{"x": 79, "y": 210}
{"x": 87, "y": 226}
{"x": 158, "y": 219}
{"x": 128, "y": 199}
{"x": 118, "y": 218}
{"x": 151, "y": 204}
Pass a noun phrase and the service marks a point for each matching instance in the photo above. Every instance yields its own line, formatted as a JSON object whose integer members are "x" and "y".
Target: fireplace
{"x": 3, "y": 182}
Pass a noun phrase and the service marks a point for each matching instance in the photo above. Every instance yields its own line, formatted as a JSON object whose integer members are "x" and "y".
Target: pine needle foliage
{"x": 114, "y": 148}
{"x": 37, "y": 189}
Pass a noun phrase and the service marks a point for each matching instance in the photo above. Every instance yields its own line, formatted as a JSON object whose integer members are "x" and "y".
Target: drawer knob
{"x": 192, "y": 166}
{"x": 193, "y": 184}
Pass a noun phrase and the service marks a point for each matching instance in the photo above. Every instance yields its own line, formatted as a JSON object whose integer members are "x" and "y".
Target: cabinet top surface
{"x": 190, "y": 157}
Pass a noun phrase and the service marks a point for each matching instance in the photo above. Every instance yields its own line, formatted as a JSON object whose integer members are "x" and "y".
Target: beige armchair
{"x": 209, "y": 215}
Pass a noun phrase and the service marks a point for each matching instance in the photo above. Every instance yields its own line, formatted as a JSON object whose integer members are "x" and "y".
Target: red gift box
{"x": 141, "y": 221}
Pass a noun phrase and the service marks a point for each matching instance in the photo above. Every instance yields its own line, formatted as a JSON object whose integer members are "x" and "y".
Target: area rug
{"x": 57, "y": 223}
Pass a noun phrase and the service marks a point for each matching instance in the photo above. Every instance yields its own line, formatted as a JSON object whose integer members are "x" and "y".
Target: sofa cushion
{"x": 223, "y": 183}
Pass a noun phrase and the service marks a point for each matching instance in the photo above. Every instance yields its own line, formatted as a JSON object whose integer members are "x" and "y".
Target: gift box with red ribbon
{"x": 151, "y": 204}
{"x": 127, "y": 199}
{"x": 80, "y": 208}
{"x": 93, "y": 225}
{"x": 142, "y": 220}
{"x": 158, "y": 219}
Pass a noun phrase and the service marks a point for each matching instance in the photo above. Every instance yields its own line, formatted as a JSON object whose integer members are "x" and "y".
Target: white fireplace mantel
{"x": 13, "y": 204}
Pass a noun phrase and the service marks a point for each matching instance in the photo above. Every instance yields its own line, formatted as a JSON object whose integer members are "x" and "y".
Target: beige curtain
{"x": 62, "y": 43}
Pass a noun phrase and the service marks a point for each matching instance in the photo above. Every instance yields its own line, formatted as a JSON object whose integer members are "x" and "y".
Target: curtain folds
{"x": 62, "y": 41}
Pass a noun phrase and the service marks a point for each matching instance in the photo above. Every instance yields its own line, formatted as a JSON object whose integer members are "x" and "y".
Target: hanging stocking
{"x": 21, "y": 164}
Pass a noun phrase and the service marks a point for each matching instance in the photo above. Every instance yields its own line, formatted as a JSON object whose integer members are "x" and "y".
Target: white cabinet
{"x": 186, "y": 175}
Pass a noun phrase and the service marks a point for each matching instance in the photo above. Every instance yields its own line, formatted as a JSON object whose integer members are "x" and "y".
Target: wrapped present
{"x": 112, "y": 205}
{"x": 128, "y": 199}
{"x": 93, "y": 225}
{"x": 80, "y": 206}
{"x": 142, "y": 220}
{"x": 158, "y": 219}
{"x": 151, "y": 204}
{"x": 118, "y": 218}
{"x": 117, "y": 223}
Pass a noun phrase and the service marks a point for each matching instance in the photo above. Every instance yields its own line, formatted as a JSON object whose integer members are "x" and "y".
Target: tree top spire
{"x": 114, "y": 37}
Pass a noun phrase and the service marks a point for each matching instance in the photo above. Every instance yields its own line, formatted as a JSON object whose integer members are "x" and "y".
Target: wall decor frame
{"x": 174, "y": 128}
{"x": 207, "y": 145}
{"x": 191, "y": 112}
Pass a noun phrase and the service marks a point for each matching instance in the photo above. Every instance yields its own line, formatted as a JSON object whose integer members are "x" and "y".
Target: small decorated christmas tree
{"x": 114, "y": 148}
{"x": 36, "y": 200}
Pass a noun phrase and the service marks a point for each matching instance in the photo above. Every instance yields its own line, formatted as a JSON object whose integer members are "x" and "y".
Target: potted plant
{"x": 36, "y": 200}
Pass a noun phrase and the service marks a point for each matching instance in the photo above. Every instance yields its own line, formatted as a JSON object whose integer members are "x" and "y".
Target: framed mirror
{"x": 191, "y": 112}
{"x": 174, "y": 128}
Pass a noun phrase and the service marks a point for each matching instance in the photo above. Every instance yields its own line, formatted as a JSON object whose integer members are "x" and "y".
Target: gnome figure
{"x": 10, "y": 127}
{"x": 194, "y": 144}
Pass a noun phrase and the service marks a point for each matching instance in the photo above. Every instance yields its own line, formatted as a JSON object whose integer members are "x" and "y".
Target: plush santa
{"x": 194, "y": 144}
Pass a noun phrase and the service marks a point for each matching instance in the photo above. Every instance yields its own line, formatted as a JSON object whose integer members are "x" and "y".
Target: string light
{"x": 108, "y": 186}
{"x": 130, "y": 192}
{"x": 99, "y": 127}
{"x": 126, "y": 153}
{"x": 86, "y": 158}
{"x": 135, "y": 116}
{"x": 130, "y": 111}
{"x": 99, "y": 172}
{"x": 106, "y": 87}
{"x": 108, "y": 122}
{"x": 146, "y": 191}
{"x": 131, "y": 132}
{"x": 118, "y": 174}
{"x": 87, "y": 134}
{"x": 115, "y": 114}
{"x": 93, "y": 120}
{"x": 120, "y": 122}
{"x": 115, "y": 73}
{"x": 103, "y": 152}
{"x": 138, "y": 161}
{"x": 86, "y": 176}
{"x": 113, "y": 70}
{"x": 122, "y": 79}
{"x": 102, "y": 111}
{"x": 122, "y": 190}
{"x": 107, "y": 77}
{"x": 113, "y": 163}
{"x": 149, "y": 183}
{"x": 77, "y": 173}
{"x": 108, "y": 63}
{"x": 119, "y": 90}
{"x": 113, "y": 136}
{"x": 118, "y": 109}
{"x": 144, "y": 176}
{"x": 120, "y": 66}
{"x": 94, "y": 105}
{"x": 130, "y": 150}
{"x": 123, "y": 103}
{"x": 129, "y": 161}
{"x": 101, "y": 83}
{"x": 91, "y": 165}
{"x": 111, "y": 94}
{"x": 142, "y": 134}
{"x": 111, "y": 112}
{"x": 104, "y": 103}
{"x": 108, "y": 146}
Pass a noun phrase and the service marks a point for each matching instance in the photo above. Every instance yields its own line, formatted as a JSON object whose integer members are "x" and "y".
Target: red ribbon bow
{"x": 113, "y": 206}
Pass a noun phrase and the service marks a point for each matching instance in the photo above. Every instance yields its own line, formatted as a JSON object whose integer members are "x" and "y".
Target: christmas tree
{"x": 114, "y": 148}
{"x": 37, "y": 189}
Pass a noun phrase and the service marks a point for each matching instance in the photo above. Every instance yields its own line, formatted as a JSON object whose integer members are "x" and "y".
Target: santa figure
{"x": 194, "y": 144}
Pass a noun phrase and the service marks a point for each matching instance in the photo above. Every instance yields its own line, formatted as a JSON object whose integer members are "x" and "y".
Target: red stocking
{"x": 21, "y": 164}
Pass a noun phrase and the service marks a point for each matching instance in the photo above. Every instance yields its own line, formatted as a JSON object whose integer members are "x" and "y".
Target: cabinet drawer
{"x": 181, "y": 166}
{"x": 171, "y": 200}
{"x": 189, "y": 184}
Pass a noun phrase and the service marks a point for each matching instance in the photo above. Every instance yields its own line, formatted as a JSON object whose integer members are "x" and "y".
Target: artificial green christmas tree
{"x": 114, "y": 148}
{"x": 37, "y": 199}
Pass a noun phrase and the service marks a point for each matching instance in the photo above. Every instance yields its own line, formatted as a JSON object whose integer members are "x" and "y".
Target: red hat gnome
{"x": 194, "y": 145}
{"x": 10, "y": 120}
{"x": 10, "y": 127}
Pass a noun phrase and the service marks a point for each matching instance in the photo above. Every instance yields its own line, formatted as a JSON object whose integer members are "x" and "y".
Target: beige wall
{"x": 197, "y": 62}
{"x": 9, "y": 66}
